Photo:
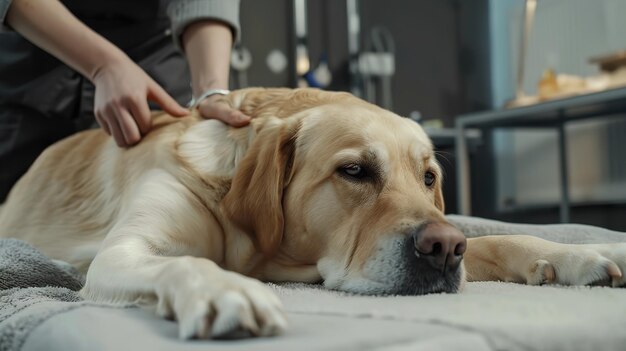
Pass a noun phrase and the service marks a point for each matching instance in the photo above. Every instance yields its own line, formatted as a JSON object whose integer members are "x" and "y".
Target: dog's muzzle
{"x": 432, "y": 255}
{"x": 440, "y": 245}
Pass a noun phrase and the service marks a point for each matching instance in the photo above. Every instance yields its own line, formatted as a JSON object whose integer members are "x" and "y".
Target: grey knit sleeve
{"x": 4, "y": 8}
{"x": 184, "y": 12}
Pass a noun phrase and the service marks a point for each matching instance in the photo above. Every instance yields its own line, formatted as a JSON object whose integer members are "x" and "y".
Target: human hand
{"x": 214, "y": 107}
{"x": 121, "y": 101}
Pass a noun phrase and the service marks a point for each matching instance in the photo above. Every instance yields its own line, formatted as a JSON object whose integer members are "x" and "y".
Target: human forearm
{"x": 207, "y": 46}
{"x": 122, "y": 88}
{"x": 49, "y": 25}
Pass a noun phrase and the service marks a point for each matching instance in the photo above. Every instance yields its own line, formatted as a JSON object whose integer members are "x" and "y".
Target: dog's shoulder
{"x": 212, "y": 148}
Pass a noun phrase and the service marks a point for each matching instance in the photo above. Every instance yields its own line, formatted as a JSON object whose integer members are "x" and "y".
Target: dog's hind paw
{"x": 541, "y": 272}
{"x": 597, "y": 265}
{"x": 616, "y": 267}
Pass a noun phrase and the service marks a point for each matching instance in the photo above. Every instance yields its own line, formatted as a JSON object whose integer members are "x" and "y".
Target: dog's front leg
{"x": 206, "y": 300}
{"x": 534, "y": 261}
{"x": 150, "y": 257}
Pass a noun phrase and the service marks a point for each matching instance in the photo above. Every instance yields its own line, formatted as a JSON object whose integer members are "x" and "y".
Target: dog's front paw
{"x": 602, "y": 264}
{"x": 220, "y": 304}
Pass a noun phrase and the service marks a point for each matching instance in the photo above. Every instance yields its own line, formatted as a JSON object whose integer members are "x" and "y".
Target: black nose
{"x": 441, "y": 245}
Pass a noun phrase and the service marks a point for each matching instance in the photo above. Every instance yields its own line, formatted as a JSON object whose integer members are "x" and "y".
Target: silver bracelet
{"x": 196, "y": 101}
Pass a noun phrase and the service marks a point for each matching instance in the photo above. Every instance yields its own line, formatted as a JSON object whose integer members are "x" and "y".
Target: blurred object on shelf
{"x": 553, "y": 86}
{"x": 611, "y": 62}
{"x": 548, "y": 83}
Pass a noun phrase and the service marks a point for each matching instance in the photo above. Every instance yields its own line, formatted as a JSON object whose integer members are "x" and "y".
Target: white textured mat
{"x": 485, "y": 316}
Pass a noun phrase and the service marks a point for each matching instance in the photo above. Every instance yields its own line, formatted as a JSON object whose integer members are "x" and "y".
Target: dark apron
{"x": 42, "y": 100}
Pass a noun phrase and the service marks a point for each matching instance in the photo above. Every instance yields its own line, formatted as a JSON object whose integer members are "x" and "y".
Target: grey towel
{"x": 22, "y": 266}
{"x": 23, "y": 309}
{"x": 561, "y": 233}
{"x": 33, "y": 288}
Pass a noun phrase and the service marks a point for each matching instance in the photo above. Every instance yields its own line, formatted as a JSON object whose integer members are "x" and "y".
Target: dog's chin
{"x": 403, "y": 280}
{"x": 410, "y": 285}
{"x": 393, "y": 270}
{"x": 429, "y": 284}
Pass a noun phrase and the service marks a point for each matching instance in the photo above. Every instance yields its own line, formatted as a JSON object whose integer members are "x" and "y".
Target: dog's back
{"x": 76, "y": 186}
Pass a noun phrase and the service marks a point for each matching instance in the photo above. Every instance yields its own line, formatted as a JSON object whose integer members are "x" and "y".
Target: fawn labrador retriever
{"x": 320, "y": 187}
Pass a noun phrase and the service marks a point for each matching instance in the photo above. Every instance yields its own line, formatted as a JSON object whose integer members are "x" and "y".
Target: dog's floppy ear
{"x": 254, "y": 201}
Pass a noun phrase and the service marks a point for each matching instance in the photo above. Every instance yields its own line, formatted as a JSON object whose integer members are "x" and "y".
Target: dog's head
{"x": 341, "y": 185}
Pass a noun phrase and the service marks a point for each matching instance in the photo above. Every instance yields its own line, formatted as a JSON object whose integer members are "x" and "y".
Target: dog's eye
{"x": 354, "y": 171}
{"x": 429, "y": 178}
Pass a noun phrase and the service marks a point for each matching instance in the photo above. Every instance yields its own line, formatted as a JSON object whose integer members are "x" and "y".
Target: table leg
{"x": 564, "y": 210}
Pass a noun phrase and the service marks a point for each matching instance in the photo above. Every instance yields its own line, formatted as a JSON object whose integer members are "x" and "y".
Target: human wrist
{"x": 207, "y": 95}
{"x": 207, "y": 48}
{"x": 200, "y": 84}
{"x": 108, "y": 61}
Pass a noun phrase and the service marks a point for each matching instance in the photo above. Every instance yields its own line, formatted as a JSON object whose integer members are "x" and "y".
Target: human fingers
{"x": 141, "y": 114}
{"x": 165, "y": 101}
{"x": 103, "y": 123}
{"x": 116, "y": 131}
{"x": 128, "y": 126}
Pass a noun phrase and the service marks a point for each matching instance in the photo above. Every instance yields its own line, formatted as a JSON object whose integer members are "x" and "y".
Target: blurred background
{"x": 543, "y": 133}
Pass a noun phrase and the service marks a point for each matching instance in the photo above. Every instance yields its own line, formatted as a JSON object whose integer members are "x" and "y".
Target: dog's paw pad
{"x": 612, "y": 269}
{"x": 195, "y": 320}
{"x": 273, "y": 323}
{"x": 612, "y": 276}
{"x": 164, "y": 310}
{"x": 615, "y": 274}
{"x": 235, "y": 318}
{"x": 541, "y": 272}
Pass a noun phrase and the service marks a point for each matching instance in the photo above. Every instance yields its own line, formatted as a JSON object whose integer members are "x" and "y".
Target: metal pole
{"x": 529, "y": 15}
{"x": 564, "y": 209}
{"x": 462, "y": 171}
{"x": 354, "y": 37}
{"x": 302, "y": 63}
